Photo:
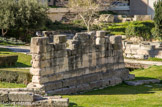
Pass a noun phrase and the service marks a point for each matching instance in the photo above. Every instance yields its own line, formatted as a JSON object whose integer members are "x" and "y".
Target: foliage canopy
{"x": 158, "y": 18}
{"x": 22, "y": 14}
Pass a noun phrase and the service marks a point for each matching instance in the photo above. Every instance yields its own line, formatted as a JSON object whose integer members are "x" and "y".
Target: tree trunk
{"x": 4, "y": 32}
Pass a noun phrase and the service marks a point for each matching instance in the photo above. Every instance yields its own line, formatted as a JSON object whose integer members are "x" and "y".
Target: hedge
{"x": 140, "y": 29}
{"x": 8, "y": 60}
{"x": 15, "y": 77}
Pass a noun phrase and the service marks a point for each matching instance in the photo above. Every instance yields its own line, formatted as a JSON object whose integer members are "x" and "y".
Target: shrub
{"x": 158, "y": 18}
{"x": 15, "y": 77}
{"x": 115, "y": 28}
{"x": 140, "y": 29}
{"x": 8, "y": 60}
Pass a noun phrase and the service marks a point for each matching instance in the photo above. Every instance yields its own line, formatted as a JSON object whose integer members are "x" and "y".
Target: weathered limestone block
{"x": 110, "y": 59}
{"x": 61, "y": 53}
{"x": 142, "y": 17}
{"x": 135, "y": 46}
{"x": 69, "y": 82}
{"x": 63, "y": 102}
{"x": 100, "y": 34}
{"x": 39, "y": 41}
{"x": 21, "y": 96}
{"x": 55, "y": 92}
{"x": 83, "y": 87}
{"x": 38, "y": 44}
{"x": 143, "y": 52}
{"x": 114, "y": 81}
{"x": 96, "y": 84}
{"x": 40, "y": 79}
{"x": 115, "y": 39}
{"x": 41, "y": 64}
{"x": 53, "y": 86}
{"x": 60, "y": 46}
{"x": 100, "y": 41}
{"x": 60, "y": 39}
{"x": 70, "y": 90}
{"x": 4, "y": 97}
{"x": 147, "y": 47}
{"x": 141, "y": 82}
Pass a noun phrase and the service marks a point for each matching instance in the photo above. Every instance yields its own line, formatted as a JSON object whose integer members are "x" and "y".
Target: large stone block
{"x": 63, "y": 102}
{"x": 83, "y": 87}
{"x": 40, "y": 79}
{"x": 147, "y": 47}
{"x": 60, "y": 39}
{"x": 69, "y": 82}
{"x": 53, "y": 86}
{"x": 4, "y": 97}
{"x": 21, "y": 97}
{"x": 100, "y": 41}
{"x": 100, "y": 34}
{"x": 70, "y": 90}
{"x": 96, "y": 84}
{"x": 39, "y": 41}
{"x": 115, "y": 39}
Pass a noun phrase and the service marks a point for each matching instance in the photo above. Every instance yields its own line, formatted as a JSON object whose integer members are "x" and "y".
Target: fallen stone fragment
{"x": 141, "y": 82}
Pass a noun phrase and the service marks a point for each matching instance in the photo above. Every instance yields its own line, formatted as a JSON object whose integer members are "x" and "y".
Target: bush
{"x": 140, "y": 29}
{"x": 8, "y": 60}
{"x": 115, "y": 28}
{"x": 15, "y": 77}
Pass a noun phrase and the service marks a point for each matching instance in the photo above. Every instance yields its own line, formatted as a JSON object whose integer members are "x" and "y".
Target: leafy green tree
{"x": 31, "y": 14}
{"x": 26, "y": 15}
{"x": 158, "y": 18}
{"x": 7, "y": 15}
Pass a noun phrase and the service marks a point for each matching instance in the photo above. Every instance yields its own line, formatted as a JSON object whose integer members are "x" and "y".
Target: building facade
{"x": 131, "y": 7}
{"x": 142, "y": 7}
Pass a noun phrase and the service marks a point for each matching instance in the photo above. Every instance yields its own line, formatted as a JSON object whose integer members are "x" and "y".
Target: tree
{"x": 7, "y": 15}
{"x": 86, "y": 9}
{"x": 22, "y": 14}
{"x": 31, "y": 14}
{"x": 158, "y": 18}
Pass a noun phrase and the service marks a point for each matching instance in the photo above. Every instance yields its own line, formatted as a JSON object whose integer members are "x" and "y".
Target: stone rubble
{"x": 30, "y": 99}
{"x": 141, "y": 82}
{"x": 142, "y": 50}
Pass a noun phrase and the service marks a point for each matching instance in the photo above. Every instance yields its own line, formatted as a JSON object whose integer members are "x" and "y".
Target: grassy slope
{"x": 11, "y": 85}
{"x": 23, "y": 60}
{"x": 123, "y": 95}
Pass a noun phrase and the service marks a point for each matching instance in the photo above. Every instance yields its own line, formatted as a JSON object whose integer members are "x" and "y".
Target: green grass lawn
{"x": 124, "y": 95}
{"x": 154, "y": 59}
{"x": 23, "y": 59}
{"x": 11, "y": 85}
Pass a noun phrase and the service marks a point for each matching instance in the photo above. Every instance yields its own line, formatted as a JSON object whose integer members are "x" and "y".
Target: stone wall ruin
{"x": 89, "y": 60}
{"x": 142, "y": 50}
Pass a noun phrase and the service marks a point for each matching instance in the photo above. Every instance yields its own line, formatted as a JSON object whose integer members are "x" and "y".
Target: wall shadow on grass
{"x": 74, "y": 105}
{"x": 18, "y": 64}
{"x": 123, "y": 89}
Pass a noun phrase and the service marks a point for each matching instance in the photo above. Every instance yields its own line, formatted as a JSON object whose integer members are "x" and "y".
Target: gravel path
{"x": 21, "y": 49}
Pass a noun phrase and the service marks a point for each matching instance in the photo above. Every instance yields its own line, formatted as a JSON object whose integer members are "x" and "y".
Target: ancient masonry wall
{"x": 88, "y": 61}
{"x": 142, "y": 50}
